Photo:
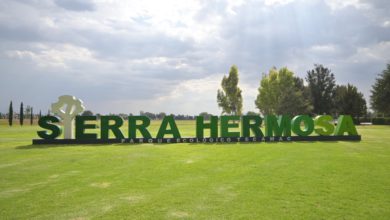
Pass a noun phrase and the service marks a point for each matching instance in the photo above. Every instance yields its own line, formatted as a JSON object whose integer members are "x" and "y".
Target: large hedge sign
{"x": 270, "y": 128}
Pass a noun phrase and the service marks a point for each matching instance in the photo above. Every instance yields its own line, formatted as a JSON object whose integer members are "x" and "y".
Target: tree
{"x": 280, "y": 94}
{"x": 21, "y": 114}
{"x": 305, "y": 90}
{"x": 230, "y": 98}
{"x": 380, "y": 93}
{"x": 252, "y": 113}
{"x": 40, "y": 114}
{"x": 10, "y": 114}
{"x": 161, "y": 115}
{"x": 148, "y": 114}
{"x": 349, "y": 101}
{"x": 321, "y": 83}
{"x": 87, "y": 113}
{"x": 205, "y": 115}
{"x": 27, "y": 111}
{"x": 31, "y": 116}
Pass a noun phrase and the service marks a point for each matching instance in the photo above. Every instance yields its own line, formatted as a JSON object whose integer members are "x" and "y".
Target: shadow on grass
{"x": 43, "y": 146}
{"x": 215, "y": 144}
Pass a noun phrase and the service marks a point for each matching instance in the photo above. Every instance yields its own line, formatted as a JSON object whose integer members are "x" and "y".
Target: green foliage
{"x": 201, "y": 126}
{"x": 345, "y": 124}
{"x": 381, "y": 121}
{"x": 305, "y": 92}
{"x": 252, "y": 113}
{"x": 324, "y": 125}
{"x": 53, "y": 130}
{"x": 10, "y": 114}
{"x": 173, "y": 131}
{"x": 27, "y": 111}
{"x": 349, "y": 101}
{"x": 321, "y": 83}
{"x": 21, "y": 114}
{"x": 161, "y": 115}
{"x": 110, "y": 123}
{"x": 31, "y": 116}
{"x": 205, "y": 115}
{"x": 230, "y": 97}
{"x": 87, "y": 113}
{"x": 380, "y": 93}
{"x": 229, "y": 122}
{"x": 281, "y": 93}
{"x": 148, "y": 114}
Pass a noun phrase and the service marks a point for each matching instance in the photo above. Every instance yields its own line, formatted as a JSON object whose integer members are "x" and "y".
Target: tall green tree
{"x": 10, "y": 114}
{"x": 230, "y": 97}
{"x": 349, "y": 101}
{"x": 322, "y": 85}
{"x": 21, "y": 114}
{"x": 279, "y": 93}
{"x": 31, "y": 116}
{"x": 380, "y": 93}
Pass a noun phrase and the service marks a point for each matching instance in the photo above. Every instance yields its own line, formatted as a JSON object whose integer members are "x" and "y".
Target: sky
{"x": 170, "y": 56}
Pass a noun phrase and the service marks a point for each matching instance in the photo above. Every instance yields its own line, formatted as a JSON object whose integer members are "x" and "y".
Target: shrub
{"x": 381, "y": 121}
{"x": 356, "y": 121}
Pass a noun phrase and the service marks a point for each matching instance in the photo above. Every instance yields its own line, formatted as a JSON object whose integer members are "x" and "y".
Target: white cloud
{"x": 378, "y": 52}
{"x": 277, "y": 2}
{"x": 198, "y": 88}
{"x": 340, "y": 4}
{"x": 57, "y": 55}
{"x": 386, "y": 24}
{"x": 153, "y": 55}
{"x": 324, "y": 48}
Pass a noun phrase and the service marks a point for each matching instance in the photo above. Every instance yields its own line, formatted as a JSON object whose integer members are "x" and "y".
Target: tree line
{"x": 282, "y": 92}
{"x": 151, "y": 115}
{"x": 24, "y": 114}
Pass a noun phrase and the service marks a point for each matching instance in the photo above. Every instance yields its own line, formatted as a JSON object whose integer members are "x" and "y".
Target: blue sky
{"x": 170, "y": 56}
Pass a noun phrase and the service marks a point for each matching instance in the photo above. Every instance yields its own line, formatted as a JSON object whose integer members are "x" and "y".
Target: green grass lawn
{"x": 302, "y": 180}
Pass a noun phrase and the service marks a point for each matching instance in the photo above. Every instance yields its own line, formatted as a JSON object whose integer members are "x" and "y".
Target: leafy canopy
{"x": 380, "y": 93}
{"x": 282, "y": 93}
{"x": 321, "y": 83}
{"x": 230, "y": 97}
{"x": 349, "y": 101}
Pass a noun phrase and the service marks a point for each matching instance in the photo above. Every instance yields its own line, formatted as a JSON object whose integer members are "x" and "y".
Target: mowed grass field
{"x": 301, "y": 180}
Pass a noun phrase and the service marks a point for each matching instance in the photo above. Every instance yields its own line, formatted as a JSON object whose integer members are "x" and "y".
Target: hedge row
{"x": 380, "y": 121}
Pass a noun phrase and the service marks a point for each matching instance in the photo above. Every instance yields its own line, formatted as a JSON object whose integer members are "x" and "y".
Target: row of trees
{"x": 151, "y": 115}
{"x": 281, "y": 92}
{"x": 23, "y": 112}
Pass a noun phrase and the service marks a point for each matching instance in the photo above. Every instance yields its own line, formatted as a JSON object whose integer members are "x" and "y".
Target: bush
{"x": 356, "y": 121}
{"x": 380, "y": 121}
{"x": 365, "y": 120}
